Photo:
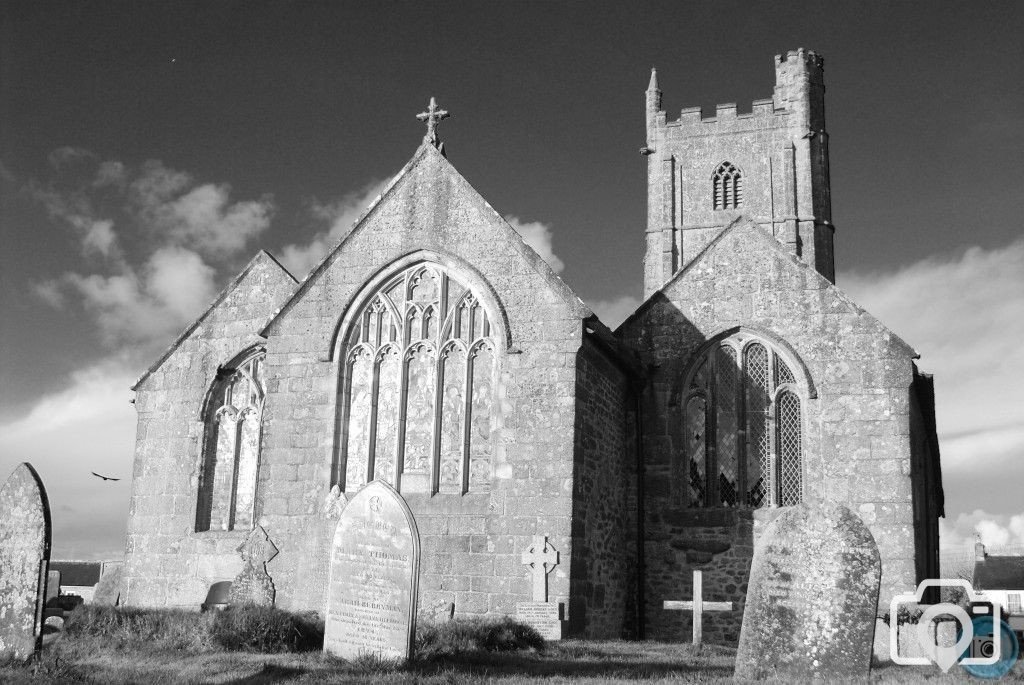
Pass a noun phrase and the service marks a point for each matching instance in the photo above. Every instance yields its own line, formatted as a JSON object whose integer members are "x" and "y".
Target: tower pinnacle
{"x": 653, "y": 85}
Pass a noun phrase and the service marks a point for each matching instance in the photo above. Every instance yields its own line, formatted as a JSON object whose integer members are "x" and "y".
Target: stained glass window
{"x": 231, "y": 454}
{"x": 418, "y": 387}
{"x": 741, "y": 447}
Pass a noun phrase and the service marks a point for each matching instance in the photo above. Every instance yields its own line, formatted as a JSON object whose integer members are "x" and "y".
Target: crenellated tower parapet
{"x": 768, "y": 163}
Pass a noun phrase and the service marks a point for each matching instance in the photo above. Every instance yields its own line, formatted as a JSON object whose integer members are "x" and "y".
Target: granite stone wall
{"x": 854, "y": 379}
{"x": 167, "y": 563}
{"x": 472, "y": 543}
{"x": 604, "y": 569}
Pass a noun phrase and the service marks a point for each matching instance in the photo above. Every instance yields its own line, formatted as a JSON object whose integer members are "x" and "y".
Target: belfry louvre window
{"x": 742, "y": 428}
{"x": 418, "y": 387}
{"x": 231, "y": 453}
{"x": 727, "y": 182}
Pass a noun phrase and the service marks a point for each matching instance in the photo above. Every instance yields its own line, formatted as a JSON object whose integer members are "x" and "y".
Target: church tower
{"x": 769, "y": 165}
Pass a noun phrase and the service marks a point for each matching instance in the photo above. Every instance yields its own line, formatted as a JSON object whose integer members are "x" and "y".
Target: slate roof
{"x": 999, "y": 573}
{"x": 79, "y": 573}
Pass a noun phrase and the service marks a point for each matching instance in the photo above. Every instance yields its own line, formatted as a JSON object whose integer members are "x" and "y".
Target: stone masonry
{"x": 502, "y": 409}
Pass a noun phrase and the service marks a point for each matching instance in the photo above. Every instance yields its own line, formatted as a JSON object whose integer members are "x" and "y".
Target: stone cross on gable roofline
{"x": 432, "y": 116}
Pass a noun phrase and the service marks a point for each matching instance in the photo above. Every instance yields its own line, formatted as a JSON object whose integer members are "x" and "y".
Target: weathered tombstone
{"x": 374, "y": 584}
{"x": 540, "y": 614}
{"x": 108, "y": 590}
{"x": 811, "y": 599}
{"x": 698, "y": 606}
{"x": 253, "y": 585}
{"x": 24, "y": 561}
{"x": 52, "y": 586}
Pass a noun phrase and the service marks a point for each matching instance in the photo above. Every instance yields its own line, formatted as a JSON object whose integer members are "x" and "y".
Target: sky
{"x": 148, "y": 150}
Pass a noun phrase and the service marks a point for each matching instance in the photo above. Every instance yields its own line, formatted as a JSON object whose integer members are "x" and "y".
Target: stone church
{"x": 433, "y": 350}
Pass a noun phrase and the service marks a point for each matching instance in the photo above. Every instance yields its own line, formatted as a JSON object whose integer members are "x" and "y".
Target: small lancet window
{"x": 727, "y": 183}
{"x": 742, "y": 429}
{"x": 231, "y": 452}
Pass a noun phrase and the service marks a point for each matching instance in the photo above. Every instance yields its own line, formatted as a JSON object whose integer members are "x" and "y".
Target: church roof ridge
{"x": 261, "y": 255}
{"x": 742, "y": 222}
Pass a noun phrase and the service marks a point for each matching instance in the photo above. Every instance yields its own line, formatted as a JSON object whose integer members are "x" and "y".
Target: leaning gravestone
{"x": 108, "y": 590}
{"x": 811, "y": 599}
{"x": 52, "y": 586}
{"x": 374, "y": 584}
{"x": 24, "y": 562}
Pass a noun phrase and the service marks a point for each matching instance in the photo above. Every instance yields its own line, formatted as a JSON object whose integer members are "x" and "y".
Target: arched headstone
{"x": 811, "y": 599}
{"x": 24, "y": 562}
{"x": 374, "y": 584}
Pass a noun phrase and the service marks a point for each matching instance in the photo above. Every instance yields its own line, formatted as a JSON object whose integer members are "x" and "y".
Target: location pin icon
{"x": 944, "y": 656}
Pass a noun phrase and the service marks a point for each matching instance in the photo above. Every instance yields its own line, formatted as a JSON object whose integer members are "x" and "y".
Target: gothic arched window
{"x": 418, "y": 387}
{"x": 231, "y": 448}
{"x": 728, "y": 186}
{"x": 742, "y": 430}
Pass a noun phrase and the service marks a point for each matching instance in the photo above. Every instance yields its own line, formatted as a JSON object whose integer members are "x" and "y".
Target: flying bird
{"x": 103, "y": 477}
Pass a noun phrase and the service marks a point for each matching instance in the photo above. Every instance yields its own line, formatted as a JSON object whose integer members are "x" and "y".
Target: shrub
{"x": 508, "y": 636}
{"x": 468, "y": 635}
{"x": 248, "y": 628}
{"x": 125, "y": 627}
{"x": 265, "y": 629}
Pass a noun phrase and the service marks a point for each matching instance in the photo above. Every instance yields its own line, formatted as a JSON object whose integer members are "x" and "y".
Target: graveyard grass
{"x": 154, "y": 647}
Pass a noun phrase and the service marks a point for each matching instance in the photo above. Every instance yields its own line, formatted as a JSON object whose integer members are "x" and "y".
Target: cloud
{"x": 538, "y": 236}
{"x": 152, "y": 237}
{"x": 613, "y": 312}
{"x": 204, "y": 218}
{"x": 88, "y": 426}
{"x": 996, "y": 531}
{"x": 75, "y": 210}
{"x": 965, "y": 315}
{"x": 339, "y": 215}
{"x": 64, "y": 157}
{"x": 147, "y": 305}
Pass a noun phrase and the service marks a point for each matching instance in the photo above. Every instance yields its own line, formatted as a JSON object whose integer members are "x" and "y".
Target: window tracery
{"x": 727, "y": 182}
{"x": 742, "y": 428}
{"x": 418, "y": 387}
{"x": 231, "y": 454}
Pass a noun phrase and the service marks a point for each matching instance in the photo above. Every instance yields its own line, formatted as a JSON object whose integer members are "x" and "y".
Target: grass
{"x": 252, "y": 646}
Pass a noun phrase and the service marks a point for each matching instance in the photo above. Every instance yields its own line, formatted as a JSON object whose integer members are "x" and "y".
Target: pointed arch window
{"x": 727, "y": 182}
{"x": 742, "y": 428}
{"x": 418, "y": 386}
{"x": 231, "y": 446}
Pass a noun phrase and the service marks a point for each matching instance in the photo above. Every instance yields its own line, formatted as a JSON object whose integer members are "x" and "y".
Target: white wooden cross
{"x": 698, "y": 606}
{"x": 541, "y": 558}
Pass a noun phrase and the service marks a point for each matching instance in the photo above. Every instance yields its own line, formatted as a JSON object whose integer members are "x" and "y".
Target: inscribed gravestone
{"x": 253, "y": 585}
{"x": 812, "y": 598}
{"x": 24, "y": 558}
{"x": 543, "y": 616}
{"x": 373, "y": 589}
